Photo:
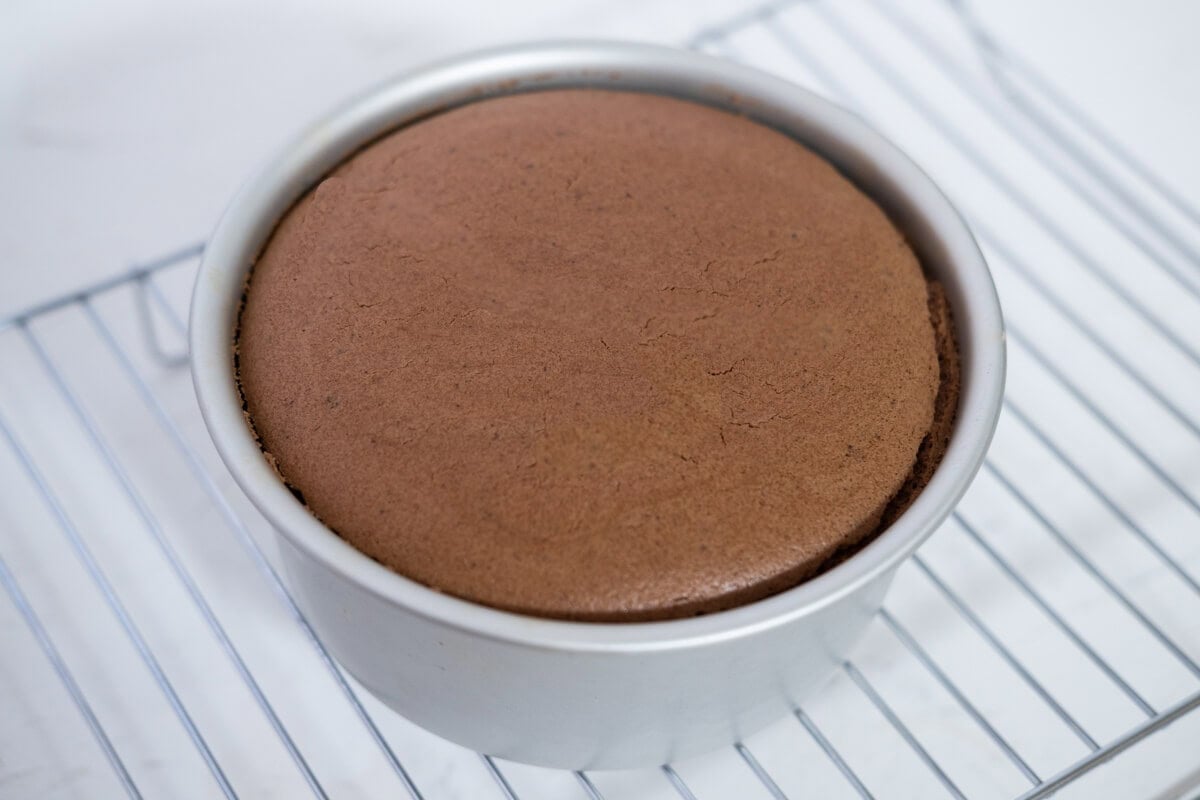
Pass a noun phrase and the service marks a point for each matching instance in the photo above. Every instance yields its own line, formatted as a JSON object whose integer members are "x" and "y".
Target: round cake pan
{"x": 572, "y": 694}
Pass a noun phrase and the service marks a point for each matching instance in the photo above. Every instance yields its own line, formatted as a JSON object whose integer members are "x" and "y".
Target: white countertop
{"x": 124, "y": 129}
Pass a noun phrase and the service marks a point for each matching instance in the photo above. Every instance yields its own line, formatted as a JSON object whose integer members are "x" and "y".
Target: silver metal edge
{"x": 919, "y": 208}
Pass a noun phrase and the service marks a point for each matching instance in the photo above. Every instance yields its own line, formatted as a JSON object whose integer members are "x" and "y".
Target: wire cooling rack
{"x": 1049, "y": 628}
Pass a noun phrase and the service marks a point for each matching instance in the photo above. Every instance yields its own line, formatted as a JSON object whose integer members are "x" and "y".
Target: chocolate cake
{"x": 596, "y": 355}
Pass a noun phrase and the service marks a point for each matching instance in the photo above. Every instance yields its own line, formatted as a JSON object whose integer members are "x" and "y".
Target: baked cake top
{"x": 592, "y": 355}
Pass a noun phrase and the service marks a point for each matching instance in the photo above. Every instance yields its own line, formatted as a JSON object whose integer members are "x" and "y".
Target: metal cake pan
{"x": 573, "y": 694}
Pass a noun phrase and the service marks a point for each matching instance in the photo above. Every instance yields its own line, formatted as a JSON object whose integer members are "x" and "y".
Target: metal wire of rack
{"x": 1047, "y": 629}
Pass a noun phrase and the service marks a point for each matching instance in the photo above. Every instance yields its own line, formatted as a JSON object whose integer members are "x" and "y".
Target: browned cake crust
{"x": 596, "y": 355}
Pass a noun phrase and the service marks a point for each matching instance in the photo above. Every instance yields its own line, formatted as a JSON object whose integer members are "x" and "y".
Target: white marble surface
{"x": 125, "y": 128}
